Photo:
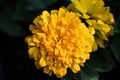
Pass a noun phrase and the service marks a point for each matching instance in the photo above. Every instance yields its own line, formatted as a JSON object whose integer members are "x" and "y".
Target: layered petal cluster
{"x": 98, "y": 18}
{"x": 59, "y": 41}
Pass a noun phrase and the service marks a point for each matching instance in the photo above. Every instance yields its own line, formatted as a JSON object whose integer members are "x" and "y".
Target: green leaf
{"x": 23, "y": 13}
{"x": 87, "y": 73}
{"x": 115, "y": 45}
{"x": 40, "y": 4}
{"x": 116, "y": 28}
{"x": 8, "y": 25}
{"x": 101, "y": 60}
{"x": 27, "y": 10}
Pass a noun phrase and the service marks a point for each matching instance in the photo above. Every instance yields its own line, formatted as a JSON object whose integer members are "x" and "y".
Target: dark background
{"x": 16, "y": 65}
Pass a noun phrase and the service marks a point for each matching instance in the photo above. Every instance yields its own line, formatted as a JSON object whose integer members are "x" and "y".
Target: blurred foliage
{"x": 16, "y": 13}
{"x": 13, "y": 13}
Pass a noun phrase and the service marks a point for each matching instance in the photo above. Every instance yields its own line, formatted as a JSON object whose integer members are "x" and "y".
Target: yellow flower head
{"x": 98, "y": 18}
{"x": 92, "y": 9}
{"x": 59, "y": 41}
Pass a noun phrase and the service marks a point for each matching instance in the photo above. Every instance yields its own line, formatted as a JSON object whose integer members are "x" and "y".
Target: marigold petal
{"x": 79, "y": 6}
{"x": 42, "y": 62}
{"x": 47, "y": 71}
{"x": 75, "y": 68}
{"x": 32, "y": 50}
{"x": 61, "y": 12}
{"x": 95, "y": 46}
{"x": 46, "y": 17}
{"x": 54, "y": 20}
{"x": 29, "y": 40}
{"x": 100, "y": 42}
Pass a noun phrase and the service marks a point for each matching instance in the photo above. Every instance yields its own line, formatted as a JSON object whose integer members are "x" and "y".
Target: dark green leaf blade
{"x": 23, "y": 13}
{"x": 8, "y": 25}
{"x": 114, "y": 45}
{"x": 40, "y": 4}
{"x": 101, "y": 60}
{"x": 69, "y": 75}
{"x": 87, "y": 73}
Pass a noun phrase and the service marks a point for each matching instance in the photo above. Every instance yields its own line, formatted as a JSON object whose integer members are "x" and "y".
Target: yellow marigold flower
{"x": 59, "y": 41}
{"x": 100, "y": 30}
{"x": 98, "y": 18}
{"x": 92, "y": 9}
